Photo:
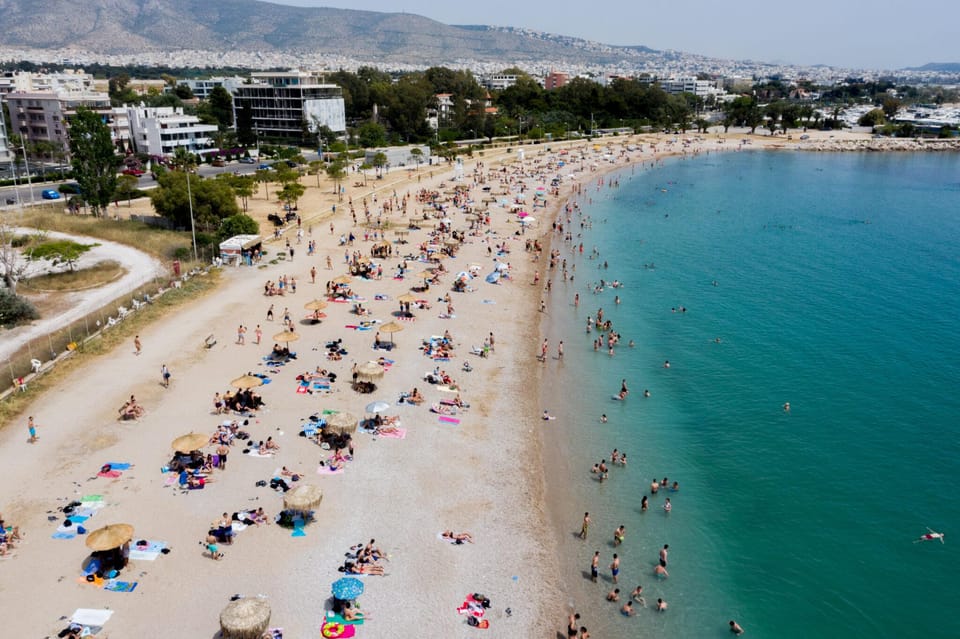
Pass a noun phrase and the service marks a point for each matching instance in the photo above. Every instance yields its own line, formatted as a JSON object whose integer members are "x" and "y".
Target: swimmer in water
{"x": 603, "y": 418}
{"x": 931, "y": 536}
{"x": 547, "y": 416}
{"x": 786, "y": 407}
{"x": 735, "y": 628}
{"x": 646, "y": 393}
{"x": 666, "y": 364}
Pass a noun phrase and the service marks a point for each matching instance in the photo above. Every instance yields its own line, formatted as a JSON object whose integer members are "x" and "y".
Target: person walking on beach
{"x": 560, "y": 350}
{"x": 257, "y": 334}
{"x": 615, "y": 567}
{"x": 136, "y": 345}
{"x": 165, "y": 376}
{"x": 572, "y": 624}
{"x": 32, "y": 429}
{"x": 585, "y": 526}
{"x": 595, "y": 567}
{"x": 270, "y": 313}
{"x": 241, "y": 335}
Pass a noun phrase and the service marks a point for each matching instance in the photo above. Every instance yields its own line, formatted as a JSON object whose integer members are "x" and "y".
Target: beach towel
{"x": 63, "y": 535}
{"x": 90, "y": 499}
{"x": 442, "y": 409}
{"x": 120, "y": 586}
{"x": 110, "y": 474}
{"x": 326, "y": 470}
{"x": 78, "y": 519}
{"x": 302, "y": 389}
{"x": 298, "y": 532}
{"x": 321, "y": 386}
{"x": 119, "y": 465}
{"x": 400, "y": 433}
{"x": 256, "y": 453}
{"x": 332, "y": 616}
{"x": 91, "y": 616}
{"x": 448, "y": 420}
{"x": 446, "y": 539}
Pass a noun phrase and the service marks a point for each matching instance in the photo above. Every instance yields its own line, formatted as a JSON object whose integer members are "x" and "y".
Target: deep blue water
{"x": 833, "y": 283}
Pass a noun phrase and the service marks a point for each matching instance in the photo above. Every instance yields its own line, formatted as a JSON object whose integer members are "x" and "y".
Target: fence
{"x": 41, "y": 354}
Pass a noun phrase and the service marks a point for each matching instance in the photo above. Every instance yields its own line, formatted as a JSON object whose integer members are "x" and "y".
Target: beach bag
{"x": 473, "y": 621}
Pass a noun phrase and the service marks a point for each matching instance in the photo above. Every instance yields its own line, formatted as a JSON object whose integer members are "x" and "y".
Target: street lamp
{"x": 193, "y": 228}
{"x": 26, "y": 166}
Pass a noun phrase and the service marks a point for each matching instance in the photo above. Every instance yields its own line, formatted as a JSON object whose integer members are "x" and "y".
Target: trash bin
{"x": 176, "y": 268}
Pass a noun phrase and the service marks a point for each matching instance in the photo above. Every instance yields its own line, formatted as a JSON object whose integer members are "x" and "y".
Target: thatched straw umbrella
{"x": 245, "y": 619}
{"x": 286, "y": 337}
{"x": 109, "y": 537}
{"x": 246, "y": 381}
{"x": 302, "y": 498}
{"x": 190, "y": 442}
{"x": 370, "y": 371}
{"x": 343, "y": 421}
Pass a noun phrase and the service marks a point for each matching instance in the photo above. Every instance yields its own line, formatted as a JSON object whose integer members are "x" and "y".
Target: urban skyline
{"x": 853, "y": 35}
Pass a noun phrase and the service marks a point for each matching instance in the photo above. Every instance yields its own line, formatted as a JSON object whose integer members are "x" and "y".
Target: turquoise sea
{"x": 833, "y": 283}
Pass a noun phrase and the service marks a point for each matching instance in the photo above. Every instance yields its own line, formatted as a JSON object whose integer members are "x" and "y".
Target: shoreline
{"x": 399, "y": 491}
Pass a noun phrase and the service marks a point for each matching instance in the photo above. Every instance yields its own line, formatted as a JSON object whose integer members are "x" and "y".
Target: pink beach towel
{"x": 400, "y": 433}
{"x": 110, "y": 474}
{"x": 448, "y": 420}
{"x": 326, "y": 470}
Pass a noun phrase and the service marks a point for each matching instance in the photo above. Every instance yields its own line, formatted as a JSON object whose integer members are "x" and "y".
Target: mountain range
{"x": 131, "y": 26}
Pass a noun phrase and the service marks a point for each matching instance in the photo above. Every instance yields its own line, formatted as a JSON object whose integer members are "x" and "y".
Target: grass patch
{"x": 170, "y": 302}
{"x": 97, "y": 275}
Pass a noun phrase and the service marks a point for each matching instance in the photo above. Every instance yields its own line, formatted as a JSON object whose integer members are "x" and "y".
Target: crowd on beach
{"x": 443, "y": 232}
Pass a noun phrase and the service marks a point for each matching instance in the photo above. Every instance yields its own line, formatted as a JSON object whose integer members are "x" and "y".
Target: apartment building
{"x": 43, "y": 117}
{"x": 201, "y": 88}
{"x": 285, "y": 104}
{"x": 159, "y": 131}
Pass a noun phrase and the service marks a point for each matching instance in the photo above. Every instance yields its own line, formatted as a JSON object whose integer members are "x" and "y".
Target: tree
{"x": 417, "y": 154}
{"x": 243, "y": 186}
{"x": 291, "y": 192}
{"x": 315, "y": 167}
{"x": 890, "y": 107}
{"x": 336, "y": 172}
{"x": 874, "y": 117}
{"x": 238, "y": 224}
{"x": 221, "y": 106}
{"x": 14, "y": 309}
{"x": 264, "y": 177}
{"x": 371, "y": 135}
{"x": 94, "y": 162}
{"x": 213, "y": 200}
{"x": 66, "y": 252}
{"x": 380, "y": 161}
{"x": 13, "y": 261}
{"x": 126, "y": 187}
{"x": 183, "y": 92}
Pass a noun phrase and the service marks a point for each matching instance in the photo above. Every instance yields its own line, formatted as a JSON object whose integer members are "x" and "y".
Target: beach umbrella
{"x": 391, "y": 328}
{"x": 315, "y": 305}
{"x": 370, "y": 370}
{"x": 377, "y": 407}
{"x": 109, "y": 537}
{"x": 245, "y": 618}
{"x": 342, "y": 421}
{"x": 407, "y": 298}
{"x": 452, "y": 243}
{"x": 286, "y": 336}
{"x": 303, "y": 498}
{"x": 190, "y": 442}
{"x": 246, "y": 381}
{"x": 346, "y": 588}
{"x": 342, "y": 279}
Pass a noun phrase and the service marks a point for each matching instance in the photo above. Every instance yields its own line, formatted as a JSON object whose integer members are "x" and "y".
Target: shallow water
{"x": 837, "y": 289}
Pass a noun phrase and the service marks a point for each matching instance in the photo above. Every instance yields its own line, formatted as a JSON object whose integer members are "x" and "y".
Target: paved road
{"x": 28, "y": 195}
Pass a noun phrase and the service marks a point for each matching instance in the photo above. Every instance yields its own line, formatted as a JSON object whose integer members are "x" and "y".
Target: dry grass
{"x": 196, "y": 287}
{"x": 160, "y": 243}
{"x": 96, "y": 275}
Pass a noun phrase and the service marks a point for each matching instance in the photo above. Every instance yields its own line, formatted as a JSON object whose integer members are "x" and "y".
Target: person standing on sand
{"x": 270, "y": 313}
{"x": 595, "y": 567}
{"x": 585, "y": 526}
{"x": 257, "y": 334}
{"x": 136, "y": 345}
{"x": 165, "y": 376}
{"x": 32, "y": 429}
{"x": 572, "y": 624}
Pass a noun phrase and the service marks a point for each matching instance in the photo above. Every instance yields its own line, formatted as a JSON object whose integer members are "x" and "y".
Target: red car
{"x": 133, "y": 172}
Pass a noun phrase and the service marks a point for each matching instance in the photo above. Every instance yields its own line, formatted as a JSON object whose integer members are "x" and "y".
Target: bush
{"x": 183, "y": 253}
{"x": 15, "y": 310}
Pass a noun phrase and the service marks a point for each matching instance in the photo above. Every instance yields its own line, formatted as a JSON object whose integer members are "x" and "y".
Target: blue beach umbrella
{"x": 347, "y": 588}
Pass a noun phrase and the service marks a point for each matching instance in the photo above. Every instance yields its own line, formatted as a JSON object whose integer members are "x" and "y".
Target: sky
{"x": 880, "y": 34}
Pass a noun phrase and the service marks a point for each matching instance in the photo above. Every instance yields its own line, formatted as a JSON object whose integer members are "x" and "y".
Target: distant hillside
{"x": 131, "y": 26}
{"x": 942, "y": 67}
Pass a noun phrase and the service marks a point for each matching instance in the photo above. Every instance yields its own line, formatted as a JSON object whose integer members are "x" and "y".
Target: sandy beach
{"x": 483, "y": 474}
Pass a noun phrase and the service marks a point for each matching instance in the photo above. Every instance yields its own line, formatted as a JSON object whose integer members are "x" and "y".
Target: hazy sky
{"x": 881, "y": 34}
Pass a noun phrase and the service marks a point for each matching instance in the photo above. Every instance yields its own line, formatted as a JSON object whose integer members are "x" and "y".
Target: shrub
{"x": 15, "y": 310}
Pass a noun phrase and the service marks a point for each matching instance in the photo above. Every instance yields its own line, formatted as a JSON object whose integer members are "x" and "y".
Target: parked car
{"x": 264, "y": 167}
{"x": 70, "y": 188}
{"x": 49, "y": 194}
{"x": 247, "y": 161}
{"x": 219, "y": 162}
{"x": 133, "y": 172}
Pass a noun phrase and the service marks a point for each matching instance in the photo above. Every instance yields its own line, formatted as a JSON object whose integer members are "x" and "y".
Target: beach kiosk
{"x": 239, "y": 248}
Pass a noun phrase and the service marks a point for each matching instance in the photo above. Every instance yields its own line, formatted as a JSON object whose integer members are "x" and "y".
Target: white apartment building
{"x": 498, "y": 81}
{"x": 67, "y": 81}
{"x": 699, "y": 88}
{"x": 159, "y": 131}
{"x": 202, "y": 88}
{"x": 6, "y": 155}
{"x": 285, "y": 103}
